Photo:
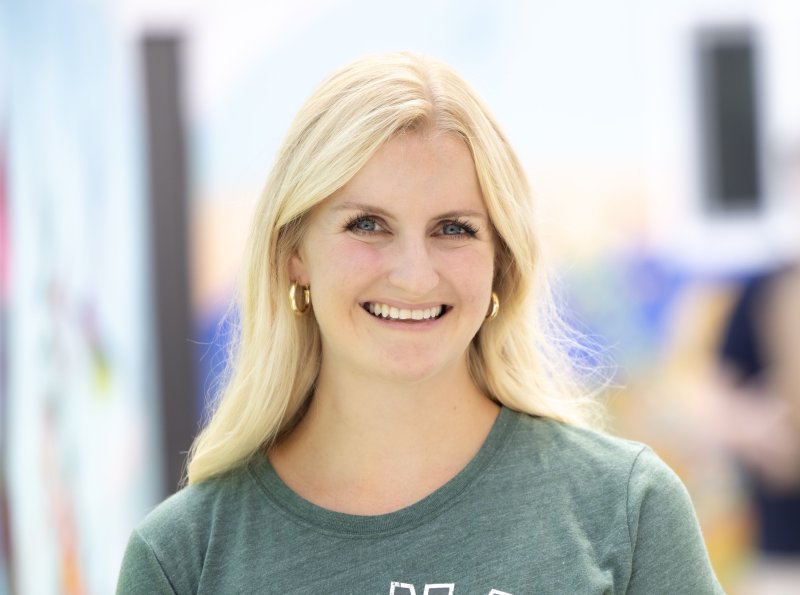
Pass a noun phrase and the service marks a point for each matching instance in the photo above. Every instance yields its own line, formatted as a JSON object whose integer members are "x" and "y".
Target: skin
{"x": 395, "y": 414}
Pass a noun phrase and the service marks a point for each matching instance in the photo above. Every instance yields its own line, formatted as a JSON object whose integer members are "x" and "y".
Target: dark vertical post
{"x": 730, "y": 122}
{"x": 169, "y": 248}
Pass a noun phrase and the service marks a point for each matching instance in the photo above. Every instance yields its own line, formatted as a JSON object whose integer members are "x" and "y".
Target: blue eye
{"x": 453, "y": 229}
{"x": 363, "y": 224}
{"x": 458, "y": 229}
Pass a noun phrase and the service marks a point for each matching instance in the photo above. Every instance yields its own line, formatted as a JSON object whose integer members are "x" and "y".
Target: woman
{"x": 397, "y": 420}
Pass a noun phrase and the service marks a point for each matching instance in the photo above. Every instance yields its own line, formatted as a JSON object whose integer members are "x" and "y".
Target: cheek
{"x": 347, "y": 264}
{"x": 471, "y": 269}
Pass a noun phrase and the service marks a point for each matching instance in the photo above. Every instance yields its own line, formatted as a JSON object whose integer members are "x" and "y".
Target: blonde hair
{"x": 518, "y": 359}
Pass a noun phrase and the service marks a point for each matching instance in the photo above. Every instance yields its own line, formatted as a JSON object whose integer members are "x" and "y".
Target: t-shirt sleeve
{"x": 141, "y": 571}
{"x": 668, "y": 552}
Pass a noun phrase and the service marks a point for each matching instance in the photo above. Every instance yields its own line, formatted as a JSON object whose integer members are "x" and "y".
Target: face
{"x": 400, "y": 262}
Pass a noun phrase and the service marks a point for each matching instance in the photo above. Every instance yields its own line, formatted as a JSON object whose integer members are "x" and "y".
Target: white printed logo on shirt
{"x": 397, "y": 588}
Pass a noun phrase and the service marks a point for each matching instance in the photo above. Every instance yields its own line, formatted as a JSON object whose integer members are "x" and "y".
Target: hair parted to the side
{"x": 520, "y": 358}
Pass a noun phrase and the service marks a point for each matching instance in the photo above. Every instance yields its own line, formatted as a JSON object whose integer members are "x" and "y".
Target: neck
{"x": 363, "y": 437}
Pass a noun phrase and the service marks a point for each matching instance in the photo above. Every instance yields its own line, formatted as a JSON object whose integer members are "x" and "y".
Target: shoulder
{"x": 558, "y": 447}
{"x": 599, "y": 473}
{"x": 189, "y": 512}
{"x": 170, "y": 544}
{"x": 621, "y": 488}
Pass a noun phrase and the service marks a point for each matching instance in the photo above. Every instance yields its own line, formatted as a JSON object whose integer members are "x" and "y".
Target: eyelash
{"x": 355, "y": 220}
{"x": 469, "y": 230}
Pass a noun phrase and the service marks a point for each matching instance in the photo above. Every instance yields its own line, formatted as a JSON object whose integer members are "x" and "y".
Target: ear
{"x": 297, "y": 269}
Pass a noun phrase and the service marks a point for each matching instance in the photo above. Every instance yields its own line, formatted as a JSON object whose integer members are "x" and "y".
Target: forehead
{"x": 420, "y": 170}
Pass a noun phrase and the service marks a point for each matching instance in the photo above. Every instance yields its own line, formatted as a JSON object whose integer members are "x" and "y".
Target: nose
{"x": 413, "y": 270}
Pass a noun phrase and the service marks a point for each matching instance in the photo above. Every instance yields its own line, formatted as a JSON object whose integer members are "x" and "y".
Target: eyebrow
{"x": 346, "y": 206}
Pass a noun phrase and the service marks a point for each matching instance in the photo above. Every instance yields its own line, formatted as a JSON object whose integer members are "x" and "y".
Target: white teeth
{"x": 386, "y": 311}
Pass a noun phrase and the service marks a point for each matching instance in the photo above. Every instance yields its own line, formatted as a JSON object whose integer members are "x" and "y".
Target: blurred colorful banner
{"x": 81, "y": 457}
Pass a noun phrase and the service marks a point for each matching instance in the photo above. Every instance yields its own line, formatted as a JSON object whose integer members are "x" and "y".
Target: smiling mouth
{"x": 386, "y": 312}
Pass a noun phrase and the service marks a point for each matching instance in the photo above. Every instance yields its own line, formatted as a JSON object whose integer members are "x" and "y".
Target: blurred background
{"x": 662, "y": 140}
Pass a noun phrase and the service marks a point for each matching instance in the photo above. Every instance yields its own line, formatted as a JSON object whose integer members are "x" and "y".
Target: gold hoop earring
{"x": 305, "y": 292}
{"x": 494, "y": 308}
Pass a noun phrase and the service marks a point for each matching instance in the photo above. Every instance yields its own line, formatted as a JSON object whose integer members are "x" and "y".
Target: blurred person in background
{"x": 760, "y": 352}
{"x": 400, "y": 416}
{"x": 760, "y": 414}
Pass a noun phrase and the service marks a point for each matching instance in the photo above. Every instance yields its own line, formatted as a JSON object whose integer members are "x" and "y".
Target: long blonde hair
{"x": 519, "y": 359}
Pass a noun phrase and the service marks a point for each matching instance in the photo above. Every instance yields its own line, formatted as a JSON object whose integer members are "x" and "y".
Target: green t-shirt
{"x": 542, "y": 508}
